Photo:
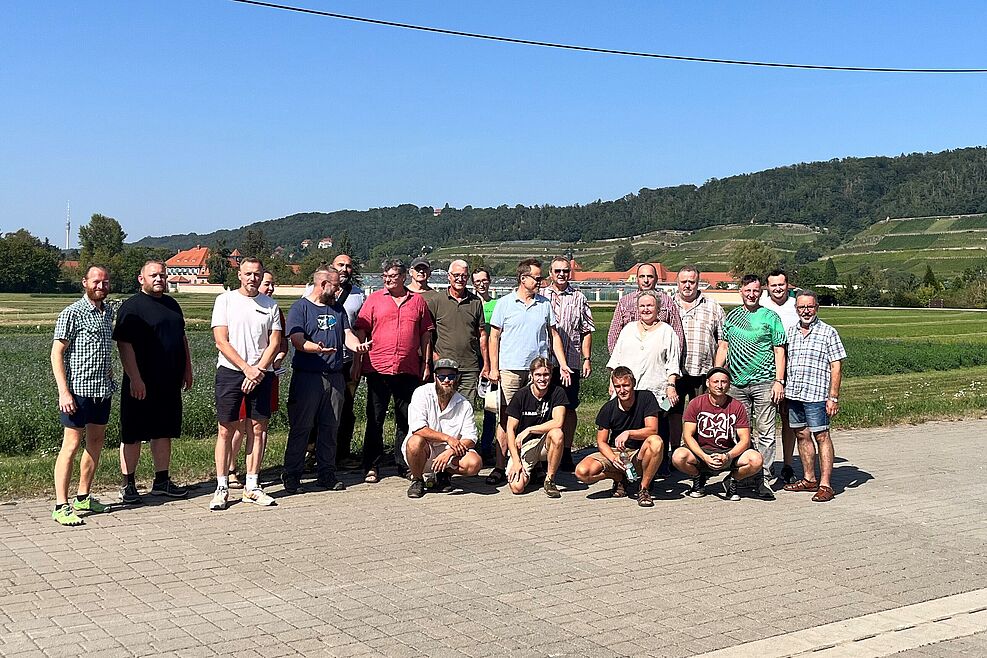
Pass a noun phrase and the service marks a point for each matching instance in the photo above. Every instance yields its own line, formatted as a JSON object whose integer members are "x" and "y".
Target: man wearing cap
{"x": 441, "y": 432}
{"x": 421, "y": 270}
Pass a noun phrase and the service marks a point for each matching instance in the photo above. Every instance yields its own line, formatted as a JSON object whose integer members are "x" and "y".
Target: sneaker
{"x": 730, "y": 488}
{"x": 404, "y": 473}
{"x": 764, "y": 492}
{"x": 787, "y": 475}
{"x": 331, "y": 483}
{"x": 443, "y": 482}
{"x": 219, "y": 499}
{"x": 698, "y": 489}
{"x": 168, "y": 488}
{"x": 91, "y": 505}
{"x": 66, "y": 516}
{"x": 234, "y": 481}
{"x": 129, "y": 495}
{"x": 257, "y": 497}
{"x": 551, "y": 490}
{"x": 417, "y": 489}
{"x": 644, "y": 498}
{"x": 292, "y": 485}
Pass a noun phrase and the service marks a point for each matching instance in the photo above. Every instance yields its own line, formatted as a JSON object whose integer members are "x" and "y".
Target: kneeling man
{"x": 441, "y": 432}
{"x": 626, "y": 432}
{"x": 716, "y": 433}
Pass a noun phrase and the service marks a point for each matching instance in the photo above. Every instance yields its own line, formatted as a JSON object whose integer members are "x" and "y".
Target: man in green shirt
{"x": 481, "y": 285}
{"x": 753, "y": 351}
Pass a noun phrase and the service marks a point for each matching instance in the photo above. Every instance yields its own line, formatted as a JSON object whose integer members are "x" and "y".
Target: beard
{"x": 444, "y": 394}
{"x": 328, "y": 298}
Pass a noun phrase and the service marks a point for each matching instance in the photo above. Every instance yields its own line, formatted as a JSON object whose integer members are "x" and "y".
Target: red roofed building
{"x": 665, "y": 275}
{"x": 189, "y": 266}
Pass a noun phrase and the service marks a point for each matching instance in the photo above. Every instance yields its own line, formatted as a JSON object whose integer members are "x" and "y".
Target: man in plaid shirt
{"x": 81, "y": 360}
{"x": 626, "y": 311}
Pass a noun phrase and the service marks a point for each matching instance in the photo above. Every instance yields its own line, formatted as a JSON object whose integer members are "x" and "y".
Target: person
{"x": 702, "y": 324}
{"x": 522, "y": 327}
{"x": 351, "y": 296}
{"x": 535, "y": 421}
{"x": 777, "y": 299}
{"x": 716, "y": 438}
{"x": 247, "y": 328}
{"x": 815, "y": 371}
{"x": 399, "y": 326}
{"x": 752, "y": 349}
{"x": 650, "y": 349}
{"x": 266, "y": 288}
{"x": 441, "y": 432}
{"x": 460, "y": 330}
{"x": 421, "y": 270}
{"x": 82, "y": 363}
{"x": 481, "y": 286}
{"x": 318, "y": 328}
{"x": 626, "y": 310}
{"x": 157, "y": 366}
{"x": 626, "y": 435}
{"x": 575, "y": 325}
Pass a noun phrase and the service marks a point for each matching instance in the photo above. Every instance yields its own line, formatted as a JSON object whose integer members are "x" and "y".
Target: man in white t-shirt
{"x": 247, "y": 328}
{"x": 441, "y": 432}
{"x": 777, "y": 299}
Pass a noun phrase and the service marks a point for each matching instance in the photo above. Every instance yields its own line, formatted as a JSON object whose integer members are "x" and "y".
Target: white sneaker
{"x": 257, "y": 497}
{"x": 219, "y": 499}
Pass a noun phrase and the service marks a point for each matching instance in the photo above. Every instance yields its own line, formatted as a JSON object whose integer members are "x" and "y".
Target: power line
{"x": 603, "y": 51}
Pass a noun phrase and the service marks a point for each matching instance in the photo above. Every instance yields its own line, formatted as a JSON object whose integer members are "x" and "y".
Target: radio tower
{"x": 68, "y": 224}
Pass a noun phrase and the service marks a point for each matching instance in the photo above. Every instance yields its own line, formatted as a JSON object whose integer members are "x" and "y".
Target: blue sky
{"x": 193, "y": 115}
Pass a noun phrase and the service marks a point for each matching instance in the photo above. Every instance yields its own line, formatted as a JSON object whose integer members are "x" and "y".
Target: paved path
{"x": 370, "y": 572}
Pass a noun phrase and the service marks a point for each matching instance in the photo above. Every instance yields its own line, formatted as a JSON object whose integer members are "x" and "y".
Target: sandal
{"x": 497, "y": 476}
{"x": 803, "y": 485}
{"x": 371, "y": 477}
{"x": 618, "y": 490}
{"x": 825, "y": 494}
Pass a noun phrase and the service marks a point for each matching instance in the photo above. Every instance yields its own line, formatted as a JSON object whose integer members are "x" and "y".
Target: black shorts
{"x": 229, "y": 396}
{"x": 88, "y": 411}
{"x": 157, "y": 416}
{"x": 571, "y": 391}
{"x": 690, "y": 386}
{"x": 706, "y": 469}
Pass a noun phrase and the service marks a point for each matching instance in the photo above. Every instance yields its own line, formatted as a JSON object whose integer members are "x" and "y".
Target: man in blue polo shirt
{"x": 522, "y": 328}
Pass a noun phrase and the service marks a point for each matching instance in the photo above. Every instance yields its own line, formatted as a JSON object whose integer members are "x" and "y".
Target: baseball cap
{"x": 448, "y": 364}
{"x": 420, "y": 261}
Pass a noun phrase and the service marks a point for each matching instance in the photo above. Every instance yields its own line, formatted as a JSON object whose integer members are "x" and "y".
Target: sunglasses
{"x": 447, "y": 378}
{"x": 538, "y": 279}
{"x": 565, "y": 271}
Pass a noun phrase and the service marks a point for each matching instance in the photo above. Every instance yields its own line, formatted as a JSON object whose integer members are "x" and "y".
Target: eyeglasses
{"x": 477, "y": 282}
{"x": 459, "y": 277}
{"x": 805, "y": 308}
{"x": 388, "y": 277}
{"x": 565, "y": 271}
{"x": 447, "y": 378}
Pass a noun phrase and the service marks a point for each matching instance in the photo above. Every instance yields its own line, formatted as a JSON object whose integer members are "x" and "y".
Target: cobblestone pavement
{"x": 369, "y": 572}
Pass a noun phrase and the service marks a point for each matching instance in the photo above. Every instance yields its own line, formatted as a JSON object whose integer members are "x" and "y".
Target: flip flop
{"x": 371, "y": 477}
{"x": 497, "y": 476}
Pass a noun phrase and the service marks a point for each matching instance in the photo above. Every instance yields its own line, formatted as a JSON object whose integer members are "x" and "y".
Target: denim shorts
{"x": 811, "y": 414}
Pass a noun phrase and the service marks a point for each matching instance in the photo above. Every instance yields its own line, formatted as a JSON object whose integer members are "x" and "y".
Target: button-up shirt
{"x": 808, "y": 373}
{"x": 456, "y": 419}
{"x": 524, "y": 330}
{"x": 703, "y": 327}
{"x": 88, "y": 356}
{"x": 626, "y": 312}
{"x": 574, "y": 319}
{"x": 396, "y": 332}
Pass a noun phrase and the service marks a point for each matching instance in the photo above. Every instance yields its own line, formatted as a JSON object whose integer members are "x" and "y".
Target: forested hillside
{"x": 844, "y": 196}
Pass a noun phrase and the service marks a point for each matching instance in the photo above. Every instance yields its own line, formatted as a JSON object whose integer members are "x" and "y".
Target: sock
{"x": 59, "y": 506}
{"x": 251, "y": 481}
{"x": 129, "y": 479}
{"x": 160, "y": 477}
{"x": 81, "y": 497}
{"x": 222, "y": 482}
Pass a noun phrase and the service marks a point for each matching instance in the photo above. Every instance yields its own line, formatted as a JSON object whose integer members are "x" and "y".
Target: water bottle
{"x": 628, "y": 467}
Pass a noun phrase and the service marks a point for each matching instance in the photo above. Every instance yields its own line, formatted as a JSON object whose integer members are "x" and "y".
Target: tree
{"x": 254, "y": 245}
{"x": 100, "y": 240}
{"x": 344, "y": 245}
{"x": 624, "y": 258}
{"x": 27, "y": 264}
{"x": 930, "y": 280}
{"x": 218, "y": 262}
{"x": 829, "y": 275}
{"x": 753, "y": 257}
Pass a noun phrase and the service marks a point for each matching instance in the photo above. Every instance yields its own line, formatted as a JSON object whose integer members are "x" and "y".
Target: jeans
{"x": 314, "y": 400}
{"x": 757, "y": 398}
{"x": 380, "y": 390}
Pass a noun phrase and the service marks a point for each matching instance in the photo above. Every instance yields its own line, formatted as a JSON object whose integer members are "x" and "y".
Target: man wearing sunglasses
{"x": 420, "y": 272}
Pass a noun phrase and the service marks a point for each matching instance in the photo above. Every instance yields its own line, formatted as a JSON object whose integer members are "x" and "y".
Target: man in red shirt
{"x": 716, "y": 433}
{"x": 398, "y": 326}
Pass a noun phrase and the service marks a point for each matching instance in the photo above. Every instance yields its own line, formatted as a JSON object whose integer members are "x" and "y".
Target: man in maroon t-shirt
{"x": 716, "y": 433}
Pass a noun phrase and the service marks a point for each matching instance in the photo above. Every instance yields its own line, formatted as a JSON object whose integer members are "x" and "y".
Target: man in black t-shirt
{"x": 534, "y": 429}
{"x": 157, "y": 365}
{"x": 626, "y": 431}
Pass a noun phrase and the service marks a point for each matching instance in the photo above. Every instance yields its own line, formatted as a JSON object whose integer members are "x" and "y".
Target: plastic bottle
{"x": 628, "y": 467}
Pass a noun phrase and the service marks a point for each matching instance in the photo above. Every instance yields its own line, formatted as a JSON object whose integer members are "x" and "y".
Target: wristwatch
{"x": 832, "y": 399}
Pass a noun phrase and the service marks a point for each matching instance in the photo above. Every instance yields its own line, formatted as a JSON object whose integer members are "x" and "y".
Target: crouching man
{"x": 716, "y": 433}
{"x": 441, "y": 432}
{"x": 626, "y": 432}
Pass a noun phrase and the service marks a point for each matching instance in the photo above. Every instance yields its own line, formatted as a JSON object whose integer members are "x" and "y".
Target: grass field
{"x": 904, "y": 366}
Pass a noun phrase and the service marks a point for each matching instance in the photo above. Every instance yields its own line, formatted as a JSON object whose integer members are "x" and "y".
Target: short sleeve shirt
{"x": 789, "y": 316}
{"x": 457, "y": 327}
{"x": 488, "y": 309}
{"x": 524, "y": 330}
{"x": 455, "y": 420}
{"x": 612, "y": 417}
{"x": 88, "y": 356}
{"x": 155, "y": 328}
{"x": 751, "y": 338}
{"x": 352, "y": 301}
{"x": 809, "y": 356}
{"x": 396, "y": 332}
{"x": 716, "y": 427}
{"x": 320, "y": 324}
{"x": 249, "y": 321}
{"x": 574, "y": 319}
{"x": 530, "y": 410}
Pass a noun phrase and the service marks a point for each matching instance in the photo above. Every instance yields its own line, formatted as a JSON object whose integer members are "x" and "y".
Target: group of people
{"x": 692, "y": 387}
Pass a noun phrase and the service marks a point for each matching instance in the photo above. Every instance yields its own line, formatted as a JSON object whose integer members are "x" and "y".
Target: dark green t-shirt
{"x": 752, "y": 338}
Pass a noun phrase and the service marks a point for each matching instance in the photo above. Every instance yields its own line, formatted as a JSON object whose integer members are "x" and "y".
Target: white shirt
{"x": 652, "y": 356}
{"x": 455, "y": 420}
{"x": 789, "y": 316}
{"x": 249, "y": 320}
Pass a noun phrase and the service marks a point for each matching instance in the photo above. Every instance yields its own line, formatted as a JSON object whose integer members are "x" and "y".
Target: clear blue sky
{"x": 193, "y": 115}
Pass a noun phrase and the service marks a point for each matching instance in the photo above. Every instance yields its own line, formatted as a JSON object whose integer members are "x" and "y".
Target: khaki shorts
{"x": 435, "y": 449}
{"x": 610, "y": 468}
{"x": 512, "y": 381}
{"x": 533, "y": 452}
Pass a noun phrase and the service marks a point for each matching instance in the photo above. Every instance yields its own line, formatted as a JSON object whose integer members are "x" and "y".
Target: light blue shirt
{"x": 524, "y": 330}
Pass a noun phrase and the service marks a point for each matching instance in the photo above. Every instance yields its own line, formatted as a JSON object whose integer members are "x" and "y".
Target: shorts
{"x": 275, "y": 395}
{"x": 571, "y": 391}
{"x": 88, "y": 411}
{"x": 157, "y": 416}
{"x": 512, "y": 381}
{"x": 691, "y": 386}
{"x": 706, "y": 469}
{"x": 811, "y": 414}
{"x": 229, "y": 396}
{"x": 436, "y": 450}
{"x": 533, "y": 452}
{"x": 608, "y": 466}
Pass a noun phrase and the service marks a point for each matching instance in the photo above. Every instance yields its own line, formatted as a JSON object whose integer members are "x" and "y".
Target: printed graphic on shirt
{"x": 326, "y": 322}
{"x": 716, "y": 428}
